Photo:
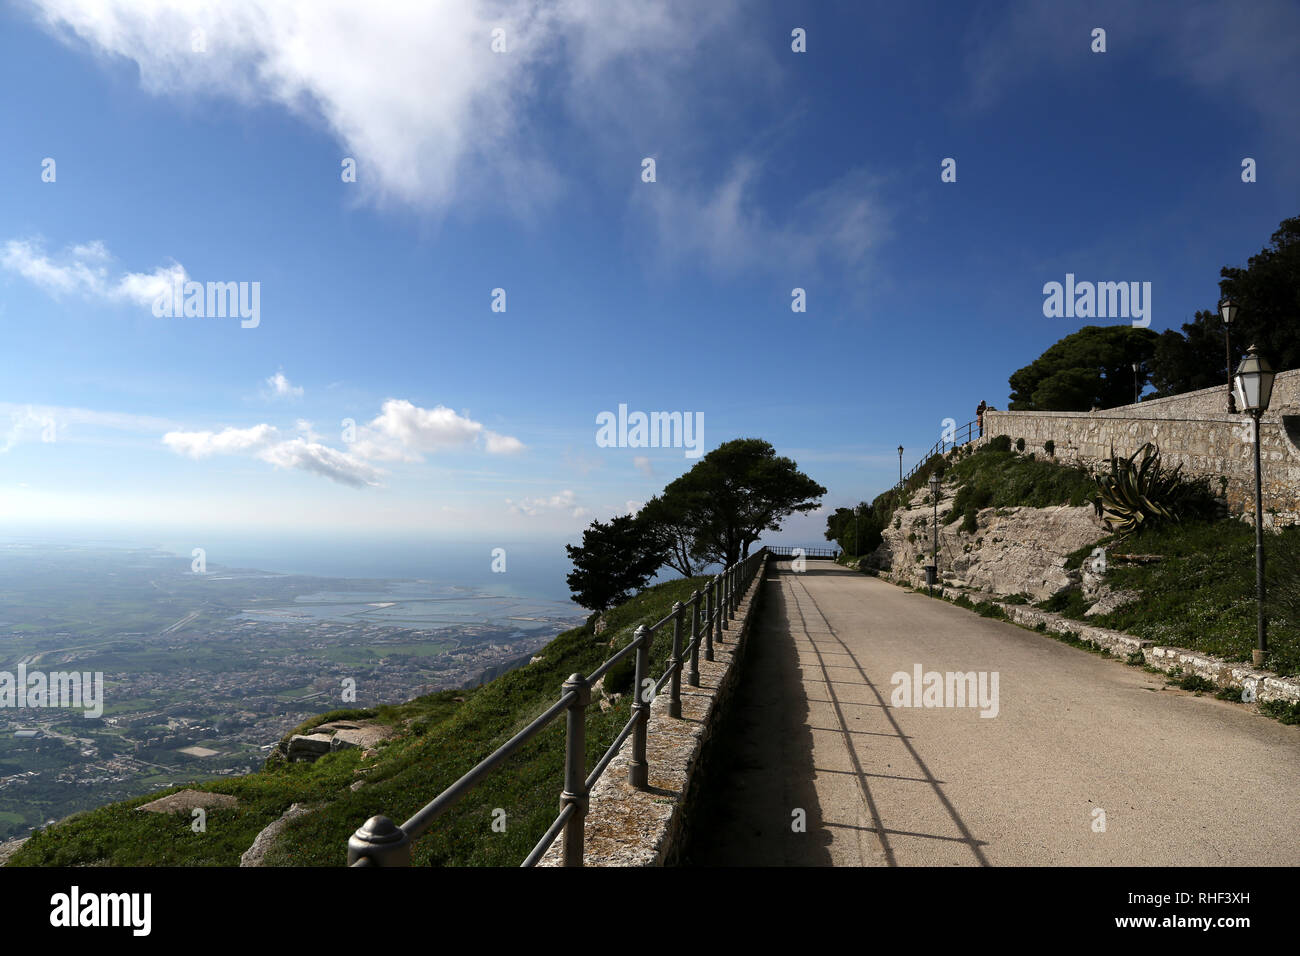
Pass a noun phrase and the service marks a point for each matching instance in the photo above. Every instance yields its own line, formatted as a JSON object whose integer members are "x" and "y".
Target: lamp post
{"x": 857, "y": 531}
{"x": 900, "y": 466}
{"x": 932, "y": 572}
{"x": 1228, "y": 309}
{"x": 1135, "y": 383}
{"x": 1255, "y": 385}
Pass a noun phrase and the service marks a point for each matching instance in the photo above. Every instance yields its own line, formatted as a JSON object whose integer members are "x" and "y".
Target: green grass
{"x": 1003, "y": 479}
{"x": 1069, "y": 602}
{"x": 1192, "y": 682}
{"x": 1201, "y": 594}
{"x": 443, "y": 737}
{"x": 1280, "y": 710}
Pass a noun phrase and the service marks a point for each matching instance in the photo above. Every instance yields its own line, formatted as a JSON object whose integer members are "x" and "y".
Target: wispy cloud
{"x": 83, "y": 270}
{"x": 428, "y": 122}
{"x": 565, "y": 501}
{"x": 56, "y": 423}
{"x": 1249, "y": 60}
{"x": 264, "y": 442}
{"x": 728, "y": 229}
{"x": 402, "y": 432}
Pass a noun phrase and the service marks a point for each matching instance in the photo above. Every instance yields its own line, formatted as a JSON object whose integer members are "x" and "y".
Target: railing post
{"x": 382, "y": 842}
{"x": 675, "y": 662}
{"x": 575, "y": 767}
{"x": 638, "y": 771}
{"x": 708, "y": 619}
{"x": 723, "y": 601}
{"x": 694, "y": 675}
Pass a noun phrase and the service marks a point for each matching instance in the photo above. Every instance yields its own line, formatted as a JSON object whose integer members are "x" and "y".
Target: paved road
{"x": 1183, "y": 780}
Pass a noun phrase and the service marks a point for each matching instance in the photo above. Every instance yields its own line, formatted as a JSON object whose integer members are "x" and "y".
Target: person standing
{"x": 979, "y": 415}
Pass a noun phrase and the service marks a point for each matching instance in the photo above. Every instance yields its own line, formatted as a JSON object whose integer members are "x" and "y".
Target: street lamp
{"x": 900, "y": 464}
{"x": 857, "y": 531}
{"x": 1228, "y": 309}
{"x": 1135, "y": 383}
{"x": 1255, "y": 385}
{"x": 932, "y": 572}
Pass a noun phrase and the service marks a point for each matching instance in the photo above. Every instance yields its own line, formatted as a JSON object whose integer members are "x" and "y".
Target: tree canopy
{"x": 615, "y": 560}
{"x": 1094, "y": 366}
{"x": 735, "y": 493}
{"x": 1089, "y": 368}
{"x": 1267, "y": 294}
{"x": 710, "y": 515}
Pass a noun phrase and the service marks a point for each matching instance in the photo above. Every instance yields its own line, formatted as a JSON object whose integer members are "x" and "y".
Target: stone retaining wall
{"x": 1194, "y": 430}
{"x": 1265, "y": 684}
{"x": 630, "y": 827}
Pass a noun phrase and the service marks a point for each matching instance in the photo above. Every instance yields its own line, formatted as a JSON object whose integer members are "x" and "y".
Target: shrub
{"x": 998, "y": 443}
{"x": 618, "y": 679}
{"x": 1193, "y": 682}
{"x": 1020, "y": 444}
{"x": 1138, "y": 494}
{"x": 1068, "y": 601}
{"x": 1287, "y": 713}
{"x": 1049, "y": 446}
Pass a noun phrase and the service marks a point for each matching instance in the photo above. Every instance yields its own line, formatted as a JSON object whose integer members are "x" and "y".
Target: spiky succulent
{"x": 1136, "y": 492}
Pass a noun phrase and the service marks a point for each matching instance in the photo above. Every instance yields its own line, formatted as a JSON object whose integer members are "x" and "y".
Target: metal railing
{"x": 380, "y": 842}
{"x": 970, "y": 431}
{"x": 780, "y": 551}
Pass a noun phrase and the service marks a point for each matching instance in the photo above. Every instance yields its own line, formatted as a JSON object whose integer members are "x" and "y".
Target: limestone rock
{"x": 183, "y": 801}
{"x": 309, "y": 746}
{"x": 363, "y": 737}
{"x": 254, "y": 855}
{"x": 1109, "y": 600}
{"x": 1013, "y": 551}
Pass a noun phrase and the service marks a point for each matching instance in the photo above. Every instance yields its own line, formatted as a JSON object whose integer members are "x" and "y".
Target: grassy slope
{"x": 442, "y": 739}
{"x": 1201, "y": 595}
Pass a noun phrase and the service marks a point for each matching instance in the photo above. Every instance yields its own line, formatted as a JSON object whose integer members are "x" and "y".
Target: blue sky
{"x": 522, "y": 170}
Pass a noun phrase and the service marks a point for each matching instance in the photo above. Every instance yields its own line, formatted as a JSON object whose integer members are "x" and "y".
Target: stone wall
{"x": 1194, "y": 430}
{"x": 630, "y": 827}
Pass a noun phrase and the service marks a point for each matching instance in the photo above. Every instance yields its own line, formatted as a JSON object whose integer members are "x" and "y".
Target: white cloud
{"x": 642, "y": 464}
{"x": 83, "y": 270}
{"x": 322, "y": 460}
{"x": 401, "y": 432}
{"x": 502, "y": 444}
{"x": 228, "y": 441}
{"x": 264, "y": 442}
{"x": 413, "y": 90}
{"x": 282, "y": 388}
{"x": 404, "y": 431}
{"x": 564, "y": 501}
{"x": 28, "y": 425}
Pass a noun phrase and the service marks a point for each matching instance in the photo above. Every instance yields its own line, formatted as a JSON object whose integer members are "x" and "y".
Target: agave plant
{"x": 1137, "y": 493}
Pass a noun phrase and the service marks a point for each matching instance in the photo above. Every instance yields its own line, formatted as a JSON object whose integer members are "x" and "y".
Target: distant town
{"x": 203, "y": 674}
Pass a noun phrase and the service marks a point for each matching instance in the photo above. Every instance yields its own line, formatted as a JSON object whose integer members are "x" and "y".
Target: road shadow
{"x": 760, "y": 768}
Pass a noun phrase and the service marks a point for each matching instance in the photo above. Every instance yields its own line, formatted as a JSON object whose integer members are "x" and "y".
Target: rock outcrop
{"x": 1013, "y": 550}
{"x": 183, "y": 801}
{"x": 333, "y": 736}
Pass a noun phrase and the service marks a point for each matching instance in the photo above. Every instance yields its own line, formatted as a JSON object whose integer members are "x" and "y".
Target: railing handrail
{"x": 787, "y": 551}
{"x": 380, "y": 842}
{"x": 943, "y": 446}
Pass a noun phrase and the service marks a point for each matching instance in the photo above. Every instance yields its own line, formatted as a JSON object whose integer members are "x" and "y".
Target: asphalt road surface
{"x": 1180, "y": 779}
